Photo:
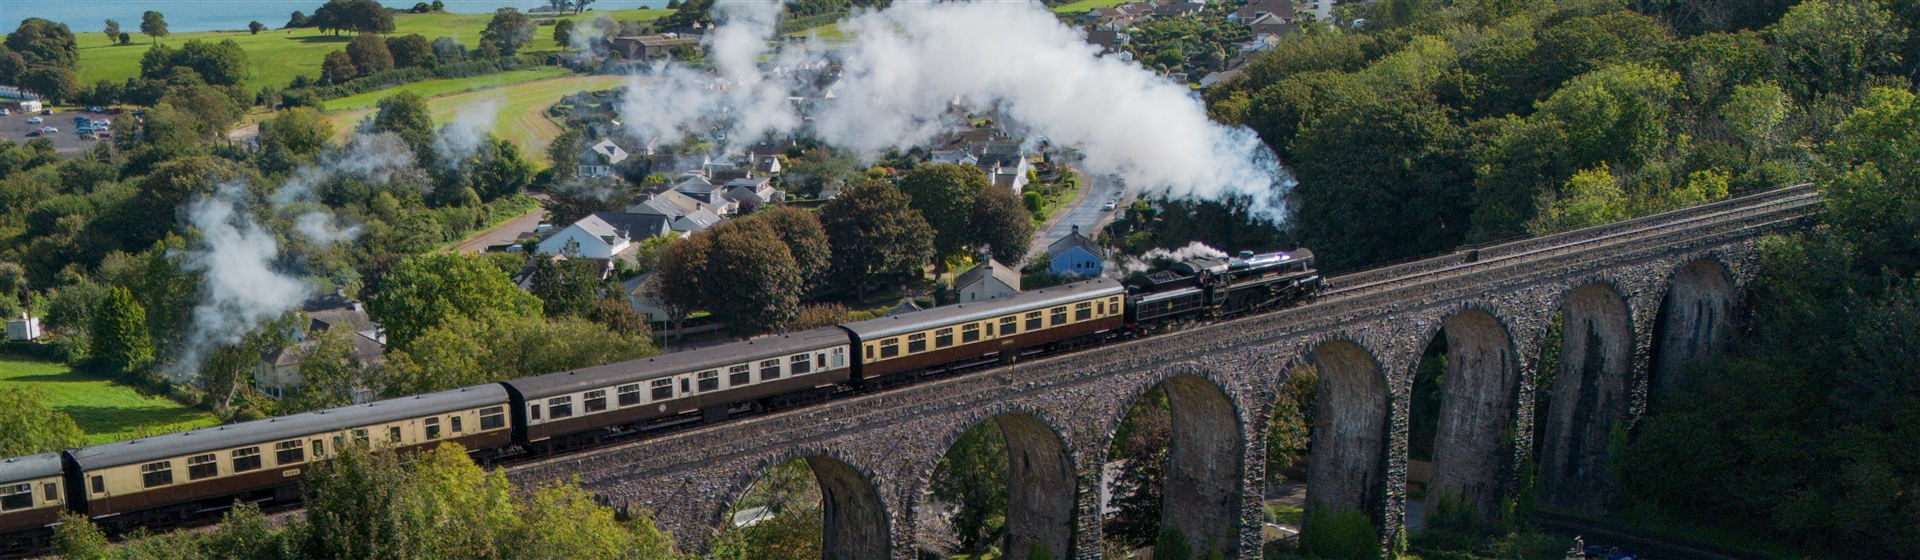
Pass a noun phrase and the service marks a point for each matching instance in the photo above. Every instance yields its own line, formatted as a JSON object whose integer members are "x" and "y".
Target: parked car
{"x": 49, "y": 129}
{"x": 36, "y": 120}
{"x": 33, "y": 133}
{"x": 1108, "y": 206}
{"x": 83, "y": 129}
{"x": 88, "y": 136}
{"x": 4, "y": 112}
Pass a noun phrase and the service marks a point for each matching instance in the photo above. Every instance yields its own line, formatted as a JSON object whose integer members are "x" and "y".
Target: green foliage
{"x": 301, "y": 130}
{"x": 331, "y": 373}
{"x": 120, "y": 332}
{"x": 370, "y": 54}
{"x": 567, "y": 285}
{"x": 752, "y": 283}
{"x": 1141, "y": 441}
{"x": 875, "y": 235}
{"x": 507, "y": 31}
{"x": 29, "y": 426}
{"x": 943, "y": 194}
{"x": 973, "y": 476}
{"x": 78, "y": 539}
{"x": 806, "y": 240}
{"x": 1001, "y": 224}
{"x": 1348, "y": 534}
{"x": 465, "y": 351}
{"x": 790, "y": 526}
{"x": 1292, "y": 421}
{"x": 42, "y": 43}
{"x": 1172, "y": 545}
{"x": 220, "y": 64}
{"x": 153, "y": 24}
{"x": 427, "y": 291}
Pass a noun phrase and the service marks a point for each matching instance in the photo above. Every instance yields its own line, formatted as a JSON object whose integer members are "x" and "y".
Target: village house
{"x": 278, "y": 371}
{"x": 649, "y": 46}
{"x": 598, "y": 160}
{"x": 699, "y": 188}
{"x": 755, "y": 191}
{"x": 1076, "y": 254}
{"x": 592, "y": 237}
{"x": 684, "y": 214}
{"x": 987, "y": 281}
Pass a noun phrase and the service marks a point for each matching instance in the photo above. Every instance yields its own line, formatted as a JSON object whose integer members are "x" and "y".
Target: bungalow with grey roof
{"x": 987, "y": 281}
{"x": 598, "y": 160}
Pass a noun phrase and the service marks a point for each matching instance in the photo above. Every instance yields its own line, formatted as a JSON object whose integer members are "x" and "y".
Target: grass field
{"x": 279, "y": 55}
{"x": 437, "y": 88}
{"x": 1084, "y": 5}
{"x": 522, "y": 118}
{"x": 106, "y": 411}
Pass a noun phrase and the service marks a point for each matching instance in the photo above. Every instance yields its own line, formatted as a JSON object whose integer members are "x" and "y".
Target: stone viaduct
{"x": 1636, "y": 299}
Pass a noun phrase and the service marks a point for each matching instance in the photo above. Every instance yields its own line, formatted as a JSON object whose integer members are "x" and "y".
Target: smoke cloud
{"x": 460, "y": 139}
{"x": 904, "y": 66}
{"x": 239, "y": 287}
{"x": 1157, "y": 257}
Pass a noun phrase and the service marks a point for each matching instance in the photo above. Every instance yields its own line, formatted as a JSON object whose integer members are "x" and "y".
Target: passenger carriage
{"x": 579, "y": 407}
{"x": 32, "y": 496}
{"x": 902, "y": 347}
{"x": 171, "y": 478}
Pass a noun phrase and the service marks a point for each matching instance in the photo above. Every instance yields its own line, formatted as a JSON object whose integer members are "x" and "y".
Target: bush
{"x": 1348, "y": 534}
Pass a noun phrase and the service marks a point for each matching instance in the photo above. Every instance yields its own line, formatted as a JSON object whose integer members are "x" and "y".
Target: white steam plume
{"x": 239, "y": 286}
{"x": 471, "y": 123}
{"x": 906, "y": 64}
{"x": 1152, "y": 258}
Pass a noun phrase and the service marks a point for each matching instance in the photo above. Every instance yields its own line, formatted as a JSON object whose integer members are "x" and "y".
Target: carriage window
{"x": 492, "y": 418}
{"x": 943, "y": 338}
{"x": 360, "y": 435}
{"x": 1059, "y": 316}
{"x": 1033, "y": 321}
{"x": 99, "y": 484}
{"x": 686, "y": 388}
{"x": 890, "y": 347}
{"x": 629, "y": 395}
{"x": 393, "y": 434}
{"x": 739, "y": 375}
{"x": 839, "y": 358}
{"x": 560, "y": 407}
{"x": 800, "y": 364}
{"x": 769, "y": 369}
{"x": 596, "y": 401}
{"x": 1083, "y": 311}
{"x": 248, "y": 459}
{"x": 203, "y": 466}
{"x": 1113, "y": 303}
{"x": 319, "y": 448}
{"x": 869, "y": 351}
{"x": 1100, "y": 307}
{"x": 292, "y": 452}
{"x": 662, "y": 389}
{"x": 433, "y": 428}
{"x": 455, "y": 420}
{"x": 709, "y": 381}
{"x": 156, "y": 474}
{"x": 970, "y": 332}
{"x": 1009, "y": 325}
{"x": 916, "y": 342}
{"x": 50, "y": 492}
{"x": 17, "y": 496}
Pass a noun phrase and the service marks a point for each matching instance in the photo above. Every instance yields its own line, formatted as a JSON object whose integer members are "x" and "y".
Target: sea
{"x": 89, "y": 16}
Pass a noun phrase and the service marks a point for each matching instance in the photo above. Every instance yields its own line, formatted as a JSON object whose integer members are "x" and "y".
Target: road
{"x": 502, "y": 234}
{"x": 1084, "y": 211}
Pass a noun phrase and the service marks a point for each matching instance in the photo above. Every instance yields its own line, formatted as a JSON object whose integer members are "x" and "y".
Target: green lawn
{"x": 105, "y": 410}
{"x": 437, "y": 88}
{"x": 522, "y": 119}
{"x": 278, "y": 55}
{"x": 1083, "y": 5}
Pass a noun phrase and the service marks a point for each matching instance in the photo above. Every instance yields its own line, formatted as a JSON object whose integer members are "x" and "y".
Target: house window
{"x": 1059, "y": 315}
{"x": 916, "y": 342}
{"x": 800, "y": 364}
{"x": 156, "y": 474}
{"x": 1083, "y": 311}
{"x": 560, "y": 407}
{"x": 493, "y": 418}
{"x": 629, "y": 395}
{"x": 889, "y": 348}
{"x": 740, "y": 375}
{"x": 16, "y": 496}
{"x": 770, "y": 369}
{"x": 433, "y": 427}
{"x": 596, "y": 401}
{"x": 662, "y": 389}
{"x": 203, "y": 466}
{"x": 943, "y": 338}
{"x": 294, "y": 452}
{"x": 246, "y": 459}
{"x": 970, "y": 332}
{"x": 1033, "y": 322}
{"x": 393, "y": 434}
{"x": 709, "y": 381}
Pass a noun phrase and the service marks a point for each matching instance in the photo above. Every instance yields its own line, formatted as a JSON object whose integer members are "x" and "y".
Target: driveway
{"x": 504, "y": 234}
{"x": 67, "y": 143}
{"x": 1084, "y": 211}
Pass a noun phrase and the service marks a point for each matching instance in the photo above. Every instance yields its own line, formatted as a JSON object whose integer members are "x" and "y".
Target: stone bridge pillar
{"x": 1473, "y": 444}
{"x": 1696, "y": 320}
{"x": 1040, "y": 489}
{"x": 1201, "y": 497}
{"x": 1589, "y": 401}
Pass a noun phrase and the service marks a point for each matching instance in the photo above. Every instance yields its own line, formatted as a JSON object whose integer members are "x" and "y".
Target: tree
{"x": 369, "y": 53}
{"x": 874, "y": 233}
{"x": 112, "y": 31}
{"x": 125, "y": 39}
{"x": 44, "y": 43}
{"x": 563, "y": 153}
{"x": 752, "y": 283}
{"x": 301, "y": 130}
{"x": 566, "y": 284}
{"x": 77, "y": 538}
{"x": 154, "y": 25}
{"x": 581, "y": 5}
{"x": 256, "y": 27}
{"x": 1001, "y": 224}
{"x": 447, "y": 50}
{"x": 221, "y": 64}
{"x": 410, "y": 51}
{"x": 120, "y": 337}
{"x": 29, "y": 426}
{"x": 463, "y": 352}
{"x": 298, "y": 20}
{"x": 426, "y": 291}
{"x": 407, "y": 115}
{"x": 806, "y": 240}
{"x": 337, "y": 68}
{"x": 563, "y": 33}
{"x": 368, "y": 16}
{"x": 677, "y": 285}
{"x": 508, "y": 31}
{"x": 1835, "y": 47}
{"x": 331, "y": 372}
{"x": 52, "y": 82}
{"x": 943, "y": 194}
{"x": 973, "y": 476}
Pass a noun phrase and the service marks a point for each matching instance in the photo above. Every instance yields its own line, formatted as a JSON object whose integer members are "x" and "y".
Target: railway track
{"x": 1769, "y": 210}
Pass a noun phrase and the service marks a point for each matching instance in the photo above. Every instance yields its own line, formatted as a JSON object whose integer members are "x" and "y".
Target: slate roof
{"x": 564, "y": 382}
{"x": 637, "y": 226}
{"x": 603, "y": 153}
{"x": 1075, "y": 240}
{"x": 1003, "y": 273}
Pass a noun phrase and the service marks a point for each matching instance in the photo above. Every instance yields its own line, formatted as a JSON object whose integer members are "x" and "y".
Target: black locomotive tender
{"x": 164, "y": 480}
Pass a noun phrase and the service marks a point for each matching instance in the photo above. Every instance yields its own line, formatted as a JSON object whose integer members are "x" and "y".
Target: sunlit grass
{"x": 105, "y": 410}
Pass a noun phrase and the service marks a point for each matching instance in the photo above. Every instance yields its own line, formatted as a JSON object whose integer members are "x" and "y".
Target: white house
{"x": 960, "y": 156}
{"x": 1008, "y": 171}
{"x": 987, "y": 281}
{"x": 24, "y": 328}
{"x": 596, "y": 239}
{"x": 643, "y": 302}
{"x": 598, "y": 160}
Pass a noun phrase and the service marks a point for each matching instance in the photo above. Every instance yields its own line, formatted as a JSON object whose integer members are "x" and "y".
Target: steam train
{"x": 174, "y": 478}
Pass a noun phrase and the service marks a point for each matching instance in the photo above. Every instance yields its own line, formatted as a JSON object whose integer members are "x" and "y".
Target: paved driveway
{"x": 1084, "y": 211}
{"x": 67, "y": 143}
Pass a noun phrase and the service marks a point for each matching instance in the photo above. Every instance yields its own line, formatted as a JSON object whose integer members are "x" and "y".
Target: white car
{"x": 35, "y": 120}
{"x": 48, "y": 130}
{"x": 1108, "y": 206}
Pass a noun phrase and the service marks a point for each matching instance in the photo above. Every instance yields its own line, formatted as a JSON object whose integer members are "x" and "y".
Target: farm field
{"x": 437, "y": 88}
{"x": 106, "y": 411}
{"x": 1084, "y": 5}
{"x": 522, "y": 118}
{"x": 280, "y": 54}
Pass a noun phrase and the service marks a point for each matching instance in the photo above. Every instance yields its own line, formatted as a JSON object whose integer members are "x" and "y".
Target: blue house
{"x": 1075, "y": 254}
